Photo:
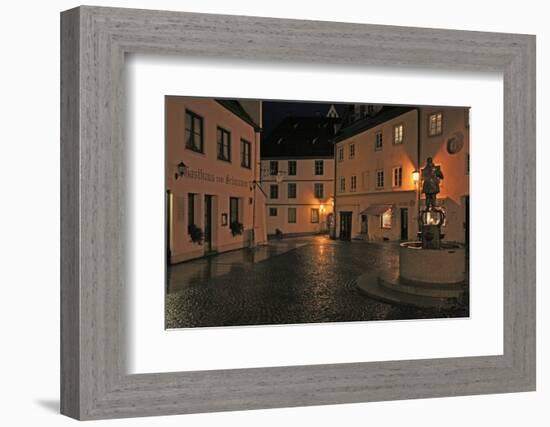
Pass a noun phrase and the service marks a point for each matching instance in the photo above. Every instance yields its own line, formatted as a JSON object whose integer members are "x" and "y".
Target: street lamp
{"x": 181, "y": 170}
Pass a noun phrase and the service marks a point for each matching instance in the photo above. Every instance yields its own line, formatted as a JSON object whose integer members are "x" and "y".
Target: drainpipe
{"x": 418, "y": 131}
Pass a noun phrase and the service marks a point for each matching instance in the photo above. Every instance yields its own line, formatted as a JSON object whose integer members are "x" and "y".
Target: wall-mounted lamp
{"x": 416, "y": 176}
{"x": 322, "y": 208}
{"x": 181, "y": 170}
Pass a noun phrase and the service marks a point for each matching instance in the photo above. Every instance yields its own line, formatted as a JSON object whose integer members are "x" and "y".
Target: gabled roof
{"x": 300, "y": 137}
{"x": 236, "y": 108}
{"x": 366, "y": 123}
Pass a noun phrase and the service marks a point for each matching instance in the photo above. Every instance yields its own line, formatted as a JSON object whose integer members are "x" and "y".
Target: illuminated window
{"x": 378, "y": 143}
{"x": 380, "y": 178}
{"x": 319, "y": 190}
{"x": 397, "y": 176}
{"x": 224, "y": 145}
{"x": 342, "y": 184}
{"x": 435, "y": 124}
{"x": 291, "y": 190}
{"x": 274, "y": 191}
{"x": 398, "y": 134}
{"x": 193, "y": 131}
{"x": 314, "y": 215}
{"x": 353, "y": 183}
{"x": 291, "y": 215}
{"x": 292, "y": 167}
{"x": 352, "y": 151}
{"x": 385, "y": 219}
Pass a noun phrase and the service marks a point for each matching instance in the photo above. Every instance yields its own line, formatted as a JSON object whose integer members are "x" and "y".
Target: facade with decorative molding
{"x": 377, "y": 194}
{"x": 213, "y": 200}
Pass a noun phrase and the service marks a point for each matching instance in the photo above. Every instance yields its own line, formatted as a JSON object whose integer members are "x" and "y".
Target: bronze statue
{"x": 431, "y": 176}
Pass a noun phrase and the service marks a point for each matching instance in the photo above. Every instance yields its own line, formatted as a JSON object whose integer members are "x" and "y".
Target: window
{"x": 273, "y": 167}
{"x": 353, "y": 183}
{"x": 274, "y": 191}
{"x": 291, "y": 190}
{"x": 342, "y": 184}
{"x": 378, "y": 141}
{"x": 272, "y": 211}
{"x": 385, "y": 219}
{"x": 435, "y": 124}
{"x": 341, "y": 154}
{"x": 292, "y": 167}
{"x": 352, "y": 151}
{"x": 190, "y": 211}
{"x": 319, "y": 190}
{"x": 398, "y": 134}
{"x": 467, "y": 168}
{"x": 397, "y": 176}
{"x": 245, "y": 154}
{"x": 380, "y": 178}
{"x": 314, "y": 215}
{"x": 292, "y": 215}
{"x": 193, "y": 131}
{"x": 224, "y": 145}
{"x": 319, "y": 167}
{"x": 233, "y": 210}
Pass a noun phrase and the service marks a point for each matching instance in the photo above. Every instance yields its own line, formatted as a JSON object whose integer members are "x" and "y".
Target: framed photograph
{"x": 376, "y": 193}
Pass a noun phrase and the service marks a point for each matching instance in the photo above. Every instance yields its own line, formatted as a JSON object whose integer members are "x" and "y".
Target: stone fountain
{"x": 432, "y": 273}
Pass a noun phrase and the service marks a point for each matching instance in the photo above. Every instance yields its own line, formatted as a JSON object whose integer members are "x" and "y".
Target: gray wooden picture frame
{"x": 94, "y": 41}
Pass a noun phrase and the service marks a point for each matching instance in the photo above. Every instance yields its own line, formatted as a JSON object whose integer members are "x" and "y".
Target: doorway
{"x": 345, "y": 225}
{"x": 404, "y": 224}
{"x": 208, "y": 222}
{"x": 364, "y": 224}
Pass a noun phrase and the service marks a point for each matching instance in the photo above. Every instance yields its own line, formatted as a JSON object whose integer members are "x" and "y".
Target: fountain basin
{"x": 440, "y": 266}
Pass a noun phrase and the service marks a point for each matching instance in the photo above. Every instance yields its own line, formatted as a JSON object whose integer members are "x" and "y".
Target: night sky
{"x": 275, "y": 112}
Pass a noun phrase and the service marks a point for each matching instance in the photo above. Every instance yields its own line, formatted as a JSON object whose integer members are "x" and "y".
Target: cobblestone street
{"x": 299, "y": 280}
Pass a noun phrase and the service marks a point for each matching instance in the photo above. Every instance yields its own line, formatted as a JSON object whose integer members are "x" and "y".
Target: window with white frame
{"x": 245, "y": 154}
{"x": 274, "y": 191}
{"x": 353, "y": 183}
{"x": 292, "y": 215}
{"x": 397, "y": 176}
{"x": 380, "y": 178}
{"x": 435, "y": 124}
{"x": 352, "y": 151}
{"x": 341, "y": 154}
{"x": 378, "y": 141}
{"x": 273, "y": 167}
{"x": 398, "y": 134}
{"x": 194, "y": 132}
{"x": 342, "y": 184}
{"x": 319, "y": 190}
{"x": 291, "y": 190}
{"x": 292, "y": 167}
{"x": 319, "y": 167}
{"x": 314, "y": 215}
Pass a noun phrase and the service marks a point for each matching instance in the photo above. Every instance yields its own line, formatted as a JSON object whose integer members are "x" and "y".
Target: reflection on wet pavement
{"x": 301, "y": 280}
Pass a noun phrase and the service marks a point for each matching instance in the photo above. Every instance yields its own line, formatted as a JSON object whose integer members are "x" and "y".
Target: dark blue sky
{"x": 275, "y": 111}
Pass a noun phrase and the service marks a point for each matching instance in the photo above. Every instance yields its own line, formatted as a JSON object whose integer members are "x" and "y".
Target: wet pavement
{"x": 299, "y": 280}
